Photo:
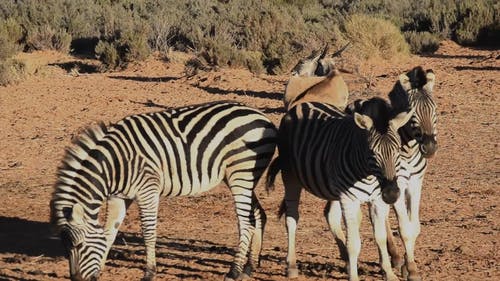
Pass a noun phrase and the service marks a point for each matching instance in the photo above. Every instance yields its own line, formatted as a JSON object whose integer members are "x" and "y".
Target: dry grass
{"x": 375, "y": 38}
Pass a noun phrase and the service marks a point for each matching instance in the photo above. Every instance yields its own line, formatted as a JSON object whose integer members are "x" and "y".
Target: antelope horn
{"x": 325, "y": 50}
{"x": 339, "y": 52}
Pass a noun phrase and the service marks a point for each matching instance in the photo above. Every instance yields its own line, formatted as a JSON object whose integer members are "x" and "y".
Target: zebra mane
{"x": 414, "y": 80}
{"x": 73, "y": 156}
{"x": 81, "y": 145}
{"x": 378, "y": 109}
{"x": 399, "y": 97}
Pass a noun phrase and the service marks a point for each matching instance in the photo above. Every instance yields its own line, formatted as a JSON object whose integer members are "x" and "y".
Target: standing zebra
{"x": 178, "y": 152}
{"x": 413, "y": 92}
{"x": 349, "y": 158}
{"x": 418, "y": 137}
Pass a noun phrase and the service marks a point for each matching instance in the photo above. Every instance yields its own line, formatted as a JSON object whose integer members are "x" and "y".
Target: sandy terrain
{"x": 197, "y": 236}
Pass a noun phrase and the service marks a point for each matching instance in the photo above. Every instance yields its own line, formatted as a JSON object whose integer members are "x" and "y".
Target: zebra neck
{"x": 84, "y": 186}
{"x": 352, "y": 150}
{"x": 406, "y": 135}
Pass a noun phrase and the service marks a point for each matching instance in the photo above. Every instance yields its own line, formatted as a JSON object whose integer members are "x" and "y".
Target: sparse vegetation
{"x": 374, "y": 37}
{"x": 422, "y": 42}
{"x": 263, "y": 36}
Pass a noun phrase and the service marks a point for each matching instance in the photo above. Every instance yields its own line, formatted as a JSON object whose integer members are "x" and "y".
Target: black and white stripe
{"x": 413, "y": 91}
{"x": 346, "y": 159}
{"x": 178, "y": 152}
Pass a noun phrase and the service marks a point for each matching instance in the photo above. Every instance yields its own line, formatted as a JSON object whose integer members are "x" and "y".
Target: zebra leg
{"x": 351, "y": 210}
{"x": 290, "y": 204}
{"x": 333, "y": 215}
{"x": 115, "y": 213}
{"x": 256, "y": 245}
{"x": 410, "y": 271}
{"x": 148, "y": 208}
{"x": 396, "y": 259}
{"x": 242, "y": 194}
{"x": 379, "y": 211}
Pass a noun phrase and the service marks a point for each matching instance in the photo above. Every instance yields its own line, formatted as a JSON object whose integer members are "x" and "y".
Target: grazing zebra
{"x": 418, "y": 137}
{"x": 178, "y": 152}
{"x": 349, "y": 158}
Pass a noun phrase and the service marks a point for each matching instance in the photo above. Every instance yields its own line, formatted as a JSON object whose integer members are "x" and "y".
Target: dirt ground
{"x": 197, "y": 236}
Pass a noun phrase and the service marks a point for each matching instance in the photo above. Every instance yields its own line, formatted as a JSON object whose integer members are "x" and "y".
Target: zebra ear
{"x": 431, "y": 77}
{"x": 405, "y": 82}
{"x": 401, "y": 119}
{"x": 363, "y": 121}
{"x": 77, "y": 214}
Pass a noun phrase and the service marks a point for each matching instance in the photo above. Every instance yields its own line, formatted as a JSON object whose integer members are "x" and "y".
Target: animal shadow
{"x": 249, "y": 93}
{"x": 144, "y": 78}
{"x": 30, "y": 238}
{"x": 80, "y": 66}
{"x": 181, "y": 257}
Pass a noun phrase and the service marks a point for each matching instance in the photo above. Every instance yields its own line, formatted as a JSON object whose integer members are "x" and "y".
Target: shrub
{"x": 7, "y": 47}
{"x": 422, "y": 42}
{"x": 271, "y": 35}
{"x": 108, "y": 55}
{"x": 374, "y": 37}
{"x": 11, "y": 70}
{"x": 11, "y": 30}
{"x": 133, "y": 46}
{"x": 474, "y": 17}
{"x": 47, "y": 38}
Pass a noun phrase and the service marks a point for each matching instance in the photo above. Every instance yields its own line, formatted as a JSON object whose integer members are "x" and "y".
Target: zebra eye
{"x": 418, "y": 134}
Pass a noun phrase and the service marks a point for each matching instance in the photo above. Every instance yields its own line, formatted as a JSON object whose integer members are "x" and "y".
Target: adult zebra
{"x": 413, "y": 91}
{"x": 177, "y": 152}
{"x": 350, "y": 158}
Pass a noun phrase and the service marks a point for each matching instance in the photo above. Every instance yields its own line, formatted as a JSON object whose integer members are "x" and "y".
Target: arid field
{"x": 39, "y": 116}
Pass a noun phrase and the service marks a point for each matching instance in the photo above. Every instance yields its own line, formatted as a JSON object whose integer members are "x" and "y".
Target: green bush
{"x": 11, "y": 70}
{"x": 7, "y": 47}
{"x": 47, "y": 38}
{"x": 266, "y": 36}
{"x": 108, "y": 55}
{"x": 422, "y": 42}
{"x": 474, "y": 18}
{"x": 134, "y": 46}
{"x": 374, "y": 37}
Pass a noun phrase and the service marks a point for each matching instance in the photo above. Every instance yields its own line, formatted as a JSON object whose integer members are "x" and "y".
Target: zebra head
{"x": 417, "y": 86}
{"x": 84, "y": 243}
{"x": 376, "y": 117}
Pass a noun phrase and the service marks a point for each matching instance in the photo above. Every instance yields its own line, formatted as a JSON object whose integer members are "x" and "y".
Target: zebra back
{"x": 183, "y": 150}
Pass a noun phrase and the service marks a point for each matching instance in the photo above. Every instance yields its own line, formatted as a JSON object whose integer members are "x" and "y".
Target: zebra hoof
{"x": 236, "y": 275}
{"x": 414, "y": 278}
{"x": 148, "y": 276}
{"x": 397, "y": 263}
{"x": 292, "y": 272}
{"x": 391, "y": 278}
{"x": 404, "y": 272}
{"x": 247, "y": 272}
{"x": 242, "y": 277}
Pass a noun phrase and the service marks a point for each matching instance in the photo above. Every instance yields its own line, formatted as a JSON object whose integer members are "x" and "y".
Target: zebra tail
{"x": 273, "y": 171}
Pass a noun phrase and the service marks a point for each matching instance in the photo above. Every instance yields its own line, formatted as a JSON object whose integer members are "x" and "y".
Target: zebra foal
{"x": 349, "y": 158}
{"x": 177, "y": 152}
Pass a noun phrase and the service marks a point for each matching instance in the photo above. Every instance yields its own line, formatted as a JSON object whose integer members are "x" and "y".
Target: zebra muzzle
{"x": 390, "y": 191}
{"x": 78, "y": 277}
{"x": 429, "y": 146}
